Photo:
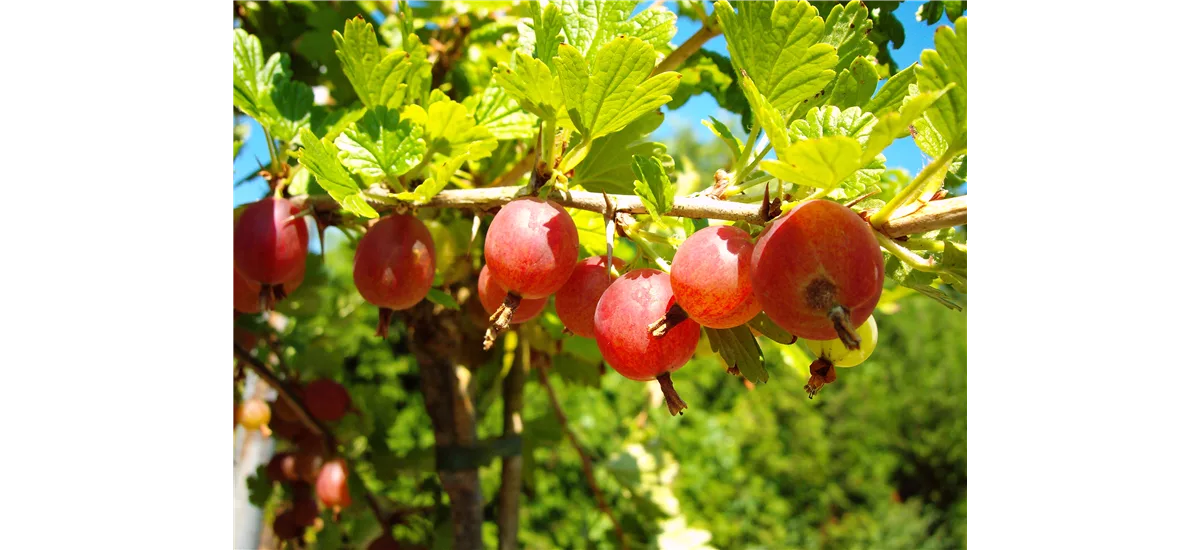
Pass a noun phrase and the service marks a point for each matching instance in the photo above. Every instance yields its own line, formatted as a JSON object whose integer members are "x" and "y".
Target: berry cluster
{"x": 816, "y": 272}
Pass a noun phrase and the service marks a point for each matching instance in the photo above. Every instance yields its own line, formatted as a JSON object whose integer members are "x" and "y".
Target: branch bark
{"x": 934, "y": 215}
{"x": 686, "y": 50}
{"x": 510, "y": 468}
{"x": 436, "y": 341}
{"x": 938, "y": 214}
{"x": 583, "y": 457}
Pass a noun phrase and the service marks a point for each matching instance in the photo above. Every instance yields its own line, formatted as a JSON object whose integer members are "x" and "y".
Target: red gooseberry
{"x": 575, "y": 302}
{"x": 394, "y": 266}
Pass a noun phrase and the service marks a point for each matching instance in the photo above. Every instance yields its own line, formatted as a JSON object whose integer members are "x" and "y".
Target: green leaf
{"x": 252, "y": 78}
{"x": 930, "y": 12}
{"x": 321, "y": 159}
{"x": 378, "y": 79}
{"x": 821, "y": 163}
{"x": 954, "y": 9}
{"x": 738, "y": 348}
{"x": 531, "y": 84}
{"x": 450, "y": 129}
{"x": 616, "y": 90}
{"x": 919, "y": 281}
{"x": 574, "y": 370}
{"x": 588, "y": 23}
{"x": 608, "y": 165}
{"x": 891, "y": 96}
{"x": 938, "y": 70}
{"x": 711, "y": 72}
{"x": 293, "y": 102}
{"x": 846, "y": 28}
{"x": 854, "y": 86}
{"x": 547, "y": 30}
{"x": 500, "y": 114}
{"x": 768, "y": 328}
{"x": 442, "y": 299}
{"x": 330, "y": 124}
{"x": 722, "y": 131}
{"x": 653, "y": 186}
{"x": 954, "y": 262}
{"x": 780, "y": 47}
{"x": 259, "y": 487}
{"x": 767, "y": 116}
{"x": 895, "y": 124}
{"x": 831, "y": 121}
{"x": 381, "y": 144}
{"x": 655, "y": 25}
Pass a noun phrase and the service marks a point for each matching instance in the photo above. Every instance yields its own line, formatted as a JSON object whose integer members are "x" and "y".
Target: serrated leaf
{"x": 608, "y": 165}
{"x": 767, "y": 116}
{"x": 821, "y": 163}
{"x": 653, "y": 186}
{"x": 530, "y": 83}
{"x": 854, "y": 86}
{"x": 442, "y": 299}
{"x": 320, "y": 157}
{"x": 930, "y": 12}
{"x": 330, "y": 124}
{"x": 451, "y": 130}
{"x": 546, "y": 31}
{"x": 711, "y": 72}
{"x": 614, "y": 91}
{"x": 895, "y": 124}
{"x": 252, "y": 77}
{"x": 780, "y": 47}
{"x": 500, "y": 114}
{"x": 768, "y": 328}
{"x": 587, "y": 23}
{"x": 379, "y": 78}
{"x": 919, "y": 281}
{"x": 259, "y": 487}
{"x": 655, "y": 25}
{"x": 938, "y": 70}
{"x": 293, "y": 103}
{"x": 891, "y": 95}
{"x": 381, "y": 144}
{"x": 846, "y": 28}
{"x": 720, "y": 130}
{"x": 831, "y": 121}
{"x": 738, "y": 348}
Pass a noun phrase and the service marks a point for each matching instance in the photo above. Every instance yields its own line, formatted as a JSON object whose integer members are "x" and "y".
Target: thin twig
{"x": 685, "y": 50}
{"x": 583, "y": 457}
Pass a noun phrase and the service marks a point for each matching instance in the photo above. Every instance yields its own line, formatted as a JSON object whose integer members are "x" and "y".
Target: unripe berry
{"x": 254, "y": 414}
{"x": 491, "y": 295}
{"x": 833, "y": 353}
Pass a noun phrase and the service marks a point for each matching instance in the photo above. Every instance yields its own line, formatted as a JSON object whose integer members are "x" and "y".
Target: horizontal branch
{"x": 935, "y": 215}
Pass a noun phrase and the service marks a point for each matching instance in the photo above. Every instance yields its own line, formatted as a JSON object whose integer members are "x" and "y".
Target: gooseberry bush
{"x": 488, "y": 211}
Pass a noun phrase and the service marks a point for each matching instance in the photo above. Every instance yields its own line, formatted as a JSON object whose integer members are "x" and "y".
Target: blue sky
{"x": 901, "y": 154}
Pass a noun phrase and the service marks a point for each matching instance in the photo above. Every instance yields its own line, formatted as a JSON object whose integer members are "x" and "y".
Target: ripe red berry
{"x": 491, "y": 295}
{"x": 332, "y": 488}
{"x": 635, "y": 300}
{"x": 531, "y": 248}
{"x": 818, "y": 271}
{"x": 394, "y": 265}
{"x": 270, "y": 243}
{"x": 304, "y": 508}
{"x": 275, "y": 467}
{"x": 575, "y": 302}
{"x": 326, "y": 399}
{"x": 285, "y": 526}
{"x": 710, "y": 276}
